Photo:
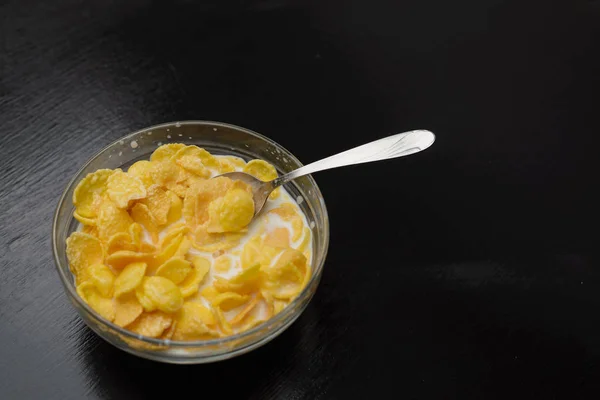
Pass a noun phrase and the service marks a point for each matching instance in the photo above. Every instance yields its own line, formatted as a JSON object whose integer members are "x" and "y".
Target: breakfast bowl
{"x": 218, "y": 139}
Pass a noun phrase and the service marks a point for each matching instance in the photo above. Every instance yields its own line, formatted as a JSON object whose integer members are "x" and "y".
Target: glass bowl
{"x": 217, "y": 138}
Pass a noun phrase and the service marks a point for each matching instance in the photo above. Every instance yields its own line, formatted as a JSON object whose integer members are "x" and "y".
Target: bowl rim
{"x": 289, "y": 309}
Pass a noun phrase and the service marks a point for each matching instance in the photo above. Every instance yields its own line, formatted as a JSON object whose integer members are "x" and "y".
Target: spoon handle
{"x": 401, "y": 144}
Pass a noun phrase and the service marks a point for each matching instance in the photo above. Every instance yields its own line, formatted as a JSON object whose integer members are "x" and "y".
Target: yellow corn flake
{"x": 251, "y": 322}
{"x": 209, "y": 293}
{"x": 130, "y": 278}
{"x": 83, "y": 250}
{"x": 166, "y": 151}
{"x": 226, "y": 166}
{"x": 176, "y": 270}
{"x": 102, "y": 305}
{"x": 142, "y": 170}
{"x": 179, "y": 189}
{"x": 278, "y": 306}
{"x": 175, "y": 208}
{"x": 284, "y": 279}
{"x": 261, "y": 169}
{"x": 269, "y": 303}
{"x": 169, "y": 249}
{"x": 189, "y": 286}
{"x": 184, "y": 247}
{"x": 208, "y": 160}
{"x": 84, "y": 220}
{"x": 144, "y": 300}
{"x": 162, "y": 293}
{"x": 159, "y": 203}
{"x": 112, "y": 220}
{"x": 192, "y": 321}
{"x": 90, "y": 230}
{"x": 278, "y": 237}
{"x": 222, "y": 322}
{"x": 203, "y": 193}
{"x": 135, "y": 231}
{"x": 188, "y": 210}
{"x": 230, "y": 213}
{"x": 127, "y": 309}
{"x": 248, "y": 275}
{"x": 120, "y": 259}
{"x": 123, "y": 188}
{"x": 251, "y": 254}
{"x": 142, "y": 215}
{"x": 151, "y": 324}
{"x": 165, "y": 174}
{"x": 89, "y": 192}
{"x": 191, "y": 159}
{"x": 173, "y": 232}
{"x": 212, "y": 242}
{"x": 229, "y": 300}
{"x": 102, "y": 278}
{"x": 245, "y": 311}
{"x": 237, "y": 162}
{"x": 120, "y": 241}
{"x": 187, "y": 178}
{"x": 222, "y": 264}
{"x": 147, "y": 248}
{"x": 245, "y": 282}
{"x": 168, "y": 334}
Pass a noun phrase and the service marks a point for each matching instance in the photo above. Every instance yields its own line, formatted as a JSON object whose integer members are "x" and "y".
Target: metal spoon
{"x": 401, "y": 144}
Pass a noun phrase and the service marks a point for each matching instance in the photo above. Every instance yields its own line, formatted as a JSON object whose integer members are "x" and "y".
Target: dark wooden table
{"x": 473, "y": 271}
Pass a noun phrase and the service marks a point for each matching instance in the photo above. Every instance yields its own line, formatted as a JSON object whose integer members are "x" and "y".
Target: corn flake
{"x": 83, "y": 250}
{"x": 158, "y": 203}
{"x": 120, "y": 259}
{"x": 102, "y": 305}
{"x": 175, "y": 209}
{"x": 191, "y": 159}
{"x": 278, "y": 237}
{"x": 84, "y": 220}
{"x": 245, "y": 311}
{"x": 192, "y": 321}
{"x": 127, "y": 309}
{"x": 162, "y": 293}
{"x": 123, "y": 188}
{"x": 230, "y": 213}
{"x": 120, "y": 241}
{"x": 222, "y": 322}
{"x": 112, "y": 220}
{"x": 213, "y": 242}
{"x": 102, "y": 278}
{"x": 151, "y": 324}
{"x": 189, "y": 286}
{"x": 142, "y": 170}
{"x": 229, "y": 300}
{"x": 89, "y": 192}
{"x": 166, "y": 151}
{"x": 142, "y": 215}
{"x": 264, "y": 171}
{"x": 130, "y": 278}
{"x": 176, "y": 270}
{"x": 261, "y": 169}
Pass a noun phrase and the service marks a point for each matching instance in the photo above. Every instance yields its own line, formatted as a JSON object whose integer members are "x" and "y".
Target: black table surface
{"x": 467, "y": 271}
